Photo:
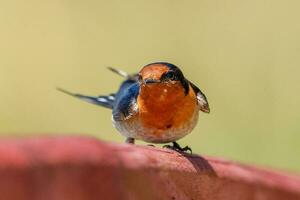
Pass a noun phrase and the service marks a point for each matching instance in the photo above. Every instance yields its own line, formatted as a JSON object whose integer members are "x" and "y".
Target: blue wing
{"x": 125, "y": 103}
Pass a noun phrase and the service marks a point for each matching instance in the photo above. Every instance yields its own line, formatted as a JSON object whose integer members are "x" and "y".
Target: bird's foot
{"x": 129, "y": 140}
{"x": 177, "y": 147}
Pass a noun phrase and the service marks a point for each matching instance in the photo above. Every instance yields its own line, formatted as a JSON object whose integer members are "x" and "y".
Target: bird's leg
{"x": 129, "y": 140}
{"x": 177, "y": 147}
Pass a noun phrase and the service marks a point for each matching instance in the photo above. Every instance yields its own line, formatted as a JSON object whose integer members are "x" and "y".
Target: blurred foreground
{"x": 54, "y": 168}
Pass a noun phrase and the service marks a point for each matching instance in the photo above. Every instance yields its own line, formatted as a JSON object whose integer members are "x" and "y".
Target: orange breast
{"x": 163, "y": 106}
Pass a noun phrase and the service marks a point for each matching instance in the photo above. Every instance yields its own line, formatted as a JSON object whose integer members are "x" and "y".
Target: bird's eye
{"x": 169, "y": 75}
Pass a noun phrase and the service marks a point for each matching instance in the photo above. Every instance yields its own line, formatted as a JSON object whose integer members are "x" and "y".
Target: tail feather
{"x": 105, "y": 101}
{"x": 119, "y": 72}
{"x": 132, "y": 77}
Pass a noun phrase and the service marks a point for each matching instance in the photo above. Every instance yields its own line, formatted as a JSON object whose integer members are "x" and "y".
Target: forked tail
{"x": 106, "y": 101}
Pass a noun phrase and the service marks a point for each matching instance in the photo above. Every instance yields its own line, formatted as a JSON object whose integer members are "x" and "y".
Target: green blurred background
{"x": 243, "y": 54}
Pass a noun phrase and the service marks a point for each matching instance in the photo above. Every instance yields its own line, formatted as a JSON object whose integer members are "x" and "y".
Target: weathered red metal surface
{"x": 78, "y": 168}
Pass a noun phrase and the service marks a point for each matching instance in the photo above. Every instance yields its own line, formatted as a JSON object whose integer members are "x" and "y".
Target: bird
{"x": 156, "y": 105}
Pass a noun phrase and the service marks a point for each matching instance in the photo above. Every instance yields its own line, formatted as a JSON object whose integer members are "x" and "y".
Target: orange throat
{"x": 165, "y": 106}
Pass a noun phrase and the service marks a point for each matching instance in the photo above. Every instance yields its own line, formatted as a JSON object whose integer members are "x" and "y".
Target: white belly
{"x": 133, "y": 128}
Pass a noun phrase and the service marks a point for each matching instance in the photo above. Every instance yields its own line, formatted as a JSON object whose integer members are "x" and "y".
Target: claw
{"x": 178, "y": 148}
{"x": 130, "y": 140}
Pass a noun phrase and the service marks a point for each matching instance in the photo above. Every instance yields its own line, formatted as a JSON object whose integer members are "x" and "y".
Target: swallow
{"x": 156, "y": 105}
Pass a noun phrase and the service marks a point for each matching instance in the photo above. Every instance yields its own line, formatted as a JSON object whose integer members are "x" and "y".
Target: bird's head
{"x": 162, "y": 73}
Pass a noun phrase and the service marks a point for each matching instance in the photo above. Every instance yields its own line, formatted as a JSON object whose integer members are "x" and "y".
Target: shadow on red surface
{"x": 78, "y": 168}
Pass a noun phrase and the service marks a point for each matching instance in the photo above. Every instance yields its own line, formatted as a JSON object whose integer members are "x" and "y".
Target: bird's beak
{"x": 150, "y": 81}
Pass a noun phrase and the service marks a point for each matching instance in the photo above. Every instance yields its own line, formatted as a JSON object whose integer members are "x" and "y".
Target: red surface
{"x": 78, "y": 168}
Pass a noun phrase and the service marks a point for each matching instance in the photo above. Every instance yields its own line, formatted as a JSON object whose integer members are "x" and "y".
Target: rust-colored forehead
{"x": 153, "y": 71}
